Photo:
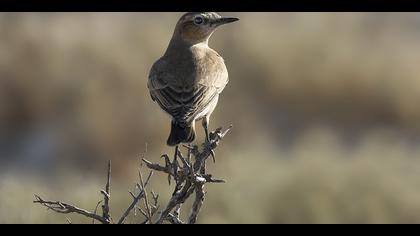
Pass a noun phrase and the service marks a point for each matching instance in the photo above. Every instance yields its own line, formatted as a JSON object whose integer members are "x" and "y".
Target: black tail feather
{"x": 181, "y": 133}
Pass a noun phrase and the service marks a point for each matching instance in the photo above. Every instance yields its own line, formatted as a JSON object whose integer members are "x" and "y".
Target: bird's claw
{"x": 213, "y": 155}
{"x": 209, "y": 146}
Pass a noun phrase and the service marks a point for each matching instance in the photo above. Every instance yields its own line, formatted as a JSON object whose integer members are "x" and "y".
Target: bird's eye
{"x": 198, "y": 20}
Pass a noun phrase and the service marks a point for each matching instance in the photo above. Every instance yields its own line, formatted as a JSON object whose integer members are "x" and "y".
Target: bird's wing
{"x": 157, "y": 80}
{"x": 184, "y": 101}
{"x": 183, "y": 105}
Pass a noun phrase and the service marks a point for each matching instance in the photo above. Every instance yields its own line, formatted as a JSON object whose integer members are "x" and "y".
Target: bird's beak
{"x": 225, "y": 20}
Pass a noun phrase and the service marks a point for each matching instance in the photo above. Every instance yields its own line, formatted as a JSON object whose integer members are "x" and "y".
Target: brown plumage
{"x": 187, "y": 80}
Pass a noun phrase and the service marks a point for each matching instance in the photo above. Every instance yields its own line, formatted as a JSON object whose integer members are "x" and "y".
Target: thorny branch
{"x": 188, "y": 173}
{"x": 136, "y": 199}
{"x": 65, "y": 208}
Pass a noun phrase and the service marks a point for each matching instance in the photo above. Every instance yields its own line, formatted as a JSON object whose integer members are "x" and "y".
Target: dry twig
{"x": 136, "y": 199}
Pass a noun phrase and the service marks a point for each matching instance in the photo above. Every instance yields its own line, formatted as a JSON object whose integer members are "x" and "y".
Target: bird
{"x": 187, "y": 80}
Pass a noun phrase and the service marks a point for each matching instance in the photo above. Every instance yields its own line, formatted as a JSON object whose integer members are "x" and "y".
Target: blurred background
{"x": 325, "y": 108}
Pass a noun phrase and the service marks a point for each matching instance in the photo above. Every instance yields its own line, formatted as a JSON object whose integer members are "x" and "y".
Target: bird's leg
{"x": 205, "y": 124}
{"x": 189, "y": 153}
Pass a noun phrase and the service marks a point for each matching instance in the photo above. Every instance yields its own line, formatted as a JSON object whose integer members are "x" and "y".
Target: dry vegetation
{"x": 324, "y": 106}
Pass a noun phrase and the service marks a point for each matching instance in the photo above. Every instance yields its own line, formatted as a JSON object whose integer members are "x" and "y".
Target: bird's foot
{"x": 213, "y": 155}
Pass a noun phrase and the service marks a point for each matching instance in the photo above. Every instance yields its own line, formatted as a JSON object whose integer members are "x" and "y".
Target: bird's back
{"x": 184, "y": 82}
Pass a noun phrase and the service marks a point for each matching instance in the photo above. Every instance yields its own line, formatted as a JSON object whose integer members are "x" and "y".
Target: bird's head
{"x": 197, "y": 27}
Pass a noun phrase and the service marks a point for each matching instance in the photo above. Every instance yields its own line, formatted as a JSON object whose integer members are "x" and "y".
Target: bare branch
{"x": 107, "y": 195}
{"x": 189, "y": 174}
{"x": 65, "y": 208}
{"x": 155, "y": 198}
{"x": 199, "y": 199}
{"x": 173, "y": 219}
{"x": 158, "y": 167}
{"x": 132, "y": 194}
{"x": 146, "y": 200}
{"x": 96, "y": 210}
{"x": 177, "y": 198}
{"x": 209, "y": 179}
{"x": 135, "y": 201}
{"x": 144, "y": 214}
{"x": 208, "y": 147}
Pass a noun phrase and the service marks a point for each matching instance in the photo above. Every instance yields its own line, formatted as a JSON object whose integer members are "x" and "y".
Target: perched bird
{"x": 187, "y": 80}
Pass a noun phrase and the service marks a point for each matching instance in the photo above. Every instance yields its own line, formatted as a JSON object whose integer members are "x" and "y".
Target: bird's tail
{"x": 181, "y": 133}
